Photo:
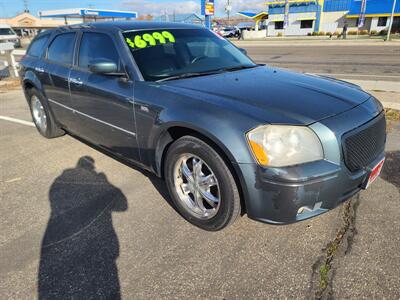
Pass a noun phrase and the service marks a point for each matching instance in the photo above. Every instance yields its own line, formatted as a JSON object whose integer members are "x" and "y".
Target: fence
{"x": 9, "y": 60}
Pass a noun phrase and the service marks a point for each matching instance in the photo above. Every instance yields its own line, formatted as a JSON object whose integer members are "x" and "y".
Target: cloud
{"x": 240, "y": 5}
{"x": 155, "y": 8}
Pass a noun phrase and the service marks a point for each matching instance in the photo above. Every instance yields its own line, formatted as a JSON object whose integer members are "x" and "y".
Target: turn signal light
{"x": 259, "y": 153}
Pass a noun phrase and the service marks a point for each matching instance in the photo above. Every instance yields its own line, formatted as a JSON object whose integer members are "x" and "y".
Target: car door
{"x": 57, "y": 65}
{"x": 103, "y": 103}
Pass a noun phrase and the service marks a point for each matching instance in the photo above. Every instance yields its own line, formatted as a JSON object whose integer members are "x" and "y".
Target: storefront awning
{"x": 87, "y": 13}
{"x": 254, "y": 16}
{"x": 372, "y": 15}
{"x": 283, "y": 2}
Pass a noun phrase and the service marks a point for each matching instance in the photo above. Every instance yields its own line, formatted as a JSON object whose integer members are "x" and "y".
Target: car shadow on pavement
{"x": 157, "y": 182}
{"x": 80, "y": 246}
{"x": 391, "y": 168}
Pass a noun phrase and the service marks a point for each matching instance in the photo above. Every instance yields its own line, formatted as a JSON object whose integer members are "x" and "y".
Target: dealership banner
{"x": 286, "y": 18}
{"x": 361, "y": 21}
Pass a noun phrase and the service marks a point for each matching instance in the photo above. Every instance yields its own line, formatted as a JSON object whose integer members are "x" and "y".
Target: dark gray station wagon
{"x": 229, "y": 136}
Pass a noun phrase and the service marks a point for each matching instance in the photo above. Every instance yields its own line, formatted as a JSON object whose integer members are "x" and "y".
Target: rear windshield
{"x": 168, "y": 52}
{"x": 37, "y": 46}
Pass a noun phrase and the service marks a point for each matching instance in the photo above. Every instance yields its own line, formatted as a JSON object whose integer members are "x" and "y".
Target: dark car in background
{"x": 228, "y": 135}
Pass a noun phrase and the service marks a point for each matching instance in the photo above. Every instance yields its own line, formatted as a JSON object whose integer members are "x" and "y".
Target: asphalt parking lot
{"x": 71, "y": 231}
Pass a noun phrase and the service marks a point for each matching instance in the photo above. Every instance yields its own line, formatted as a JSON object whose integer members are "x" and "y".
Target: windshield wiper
{"x": 236, "y": 68}
{"x": 196, "y": 74}
{"x": 188, "y": 75}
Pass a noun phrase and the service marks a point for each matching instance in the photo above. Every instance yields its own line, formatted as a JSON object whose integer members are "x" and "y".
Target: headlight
{"x": 281, "y": 145}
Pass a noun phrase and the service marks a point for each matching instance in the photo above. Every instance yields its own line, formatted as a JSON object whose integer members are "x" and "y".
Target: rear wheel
{"x": 41, "y": 115}
{"x": 201, "y": 185}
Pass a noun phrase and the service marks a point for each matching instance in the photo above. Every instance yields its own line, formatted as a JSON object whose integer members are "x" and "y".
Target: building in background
{"x": 26, "y": 24}
{"x": 308, "y": 16}
{"x": 377, "y": 15}
{"x": 88, "y": 14}
{"x": 257, "y": 18}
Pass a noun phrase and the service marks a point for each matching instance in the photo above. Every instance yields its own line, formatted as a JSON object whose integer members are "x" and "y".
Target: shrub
{"x": 280, "y": 34}
{"x": 329, "y": 33}
{"x": 383, "y": 32}
{"x": 352, "y": 32}
{"x": 363, "y": 32}
{"x": 309, "y": 34}
{"x": 336, "y": 33}
{"x": 321, "y": 33}
{"x": 373, "y": 32}
{"x": 314, "y": 33}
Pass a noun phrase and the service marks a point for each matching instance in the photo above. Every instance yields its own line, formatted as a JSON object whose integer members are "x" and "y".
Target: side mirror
{"x": 104, "y": 66}
{"x": 243, "y": 51}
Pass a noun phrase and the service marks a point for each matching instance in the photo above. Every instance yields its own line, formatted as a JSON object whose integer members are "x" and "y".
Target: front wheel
{"x": 201, "y": 185}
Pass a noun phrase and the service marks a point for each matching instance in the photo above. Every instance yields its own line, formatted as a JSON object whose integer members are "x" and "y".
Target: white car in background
{"x": 228, "y": 32}
{"x": 7, "y": 34}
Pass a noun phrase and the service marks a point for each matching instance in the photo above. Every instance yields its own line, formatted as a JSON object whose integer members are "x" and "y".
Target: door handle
{"x": 37, "y": 69}
{"x": 76, "y": 81}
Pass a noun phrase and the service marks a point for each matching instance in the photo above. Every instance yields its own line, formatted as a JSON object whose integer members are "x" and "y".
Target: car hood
{"x": 273, "y": 95}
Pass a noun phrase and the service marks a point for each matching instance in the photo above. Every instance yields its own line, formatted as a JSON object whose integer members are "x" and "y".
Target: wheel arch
{"x": 31, "y": 81}
{"x": 175, "y": 131}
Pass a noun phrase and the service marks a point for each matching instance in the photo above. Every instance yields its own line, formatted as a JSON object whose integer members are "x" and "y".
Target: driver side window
{"x": 96, "y": 46}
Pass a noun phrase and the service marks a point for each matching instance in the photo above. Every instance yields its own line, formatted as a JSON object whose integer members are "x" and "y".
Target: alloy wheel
{"x": 39, "y": 114}
{"x": 197, "y": 186}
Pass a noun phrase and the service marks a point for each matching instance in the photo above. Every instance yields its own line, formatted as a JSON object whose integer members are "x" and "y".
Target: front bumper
{"x": 290, "y": 194}
{"x": 287, "y": 195}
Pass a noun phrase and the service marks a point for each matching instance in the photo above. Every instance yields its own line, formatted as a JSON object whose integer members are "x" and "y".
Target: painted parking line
{"x": 27, "y": 123}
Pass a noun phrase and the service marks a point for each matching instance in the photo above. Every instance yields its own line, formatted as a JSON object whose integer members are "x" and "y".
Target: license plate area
{"x": 374, "y": 173}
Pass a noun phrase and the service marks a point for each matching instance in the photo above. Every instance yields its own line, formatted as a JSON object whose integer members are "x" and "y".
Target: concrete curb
{"x": 387, "y": 92}
{"x": 377, "y": 85}
{"x": 391, "y": 105}
{"x": 300, "y": 42}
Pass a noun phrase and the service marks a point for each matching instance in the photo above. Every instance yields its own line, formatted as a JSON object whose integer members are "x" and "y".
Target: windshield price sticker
{"x": 141, "y": 41}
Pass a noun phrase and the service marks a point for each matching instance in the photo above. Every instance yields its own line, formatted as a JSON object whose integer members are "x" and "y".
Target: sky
{"x": 9, "y": 8}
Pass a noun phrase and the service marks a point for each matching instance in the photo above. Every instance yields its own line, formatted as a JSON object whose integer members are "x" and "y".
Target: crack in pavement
{"x": 323, "y": 270}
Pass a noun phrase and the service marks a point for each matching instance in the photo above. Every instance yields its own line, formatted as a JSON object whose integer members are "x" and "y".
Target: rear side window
{"x": 37, "y": 46}
{"x": 96, "y": 46}
{"x": 61, "y": 50}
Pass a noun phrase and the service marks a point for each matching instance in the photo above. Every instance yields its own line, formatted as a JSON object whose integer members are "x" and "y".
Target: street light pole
{"x": 228, "y": 9}
{"x": 391, "y": 21}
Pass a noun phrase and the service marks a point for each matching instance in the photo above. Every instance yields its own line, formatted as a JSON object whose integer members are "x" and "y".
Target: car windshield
{"x": 175, "y": 53}
{"x": 6, "y": 31}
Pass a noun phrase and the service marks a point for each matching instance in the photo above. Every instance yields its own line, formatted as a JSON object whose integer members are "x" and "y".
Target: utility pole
{"x": 228, "y": 9}
{"x": 26, "y": 9}
{"x": 391, "y": 21}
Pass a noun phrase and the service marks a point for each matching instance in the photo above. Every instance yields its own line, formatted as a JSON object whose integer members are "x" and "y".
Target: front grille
{"x": 361, "y": 146}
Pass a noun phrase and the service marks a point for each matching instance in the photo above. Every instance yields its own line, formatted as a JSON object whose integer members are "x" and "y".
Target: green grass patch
{"x": 392, "y": 117}
{"x": 324, "y": 278}
{"x": 392, "y": 114}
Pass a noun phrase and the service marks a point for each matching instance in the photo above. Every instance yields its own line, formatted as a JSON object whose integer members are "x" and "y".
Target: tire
{"x": 190, "y": 151}
{"x": 50, "y": 129}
